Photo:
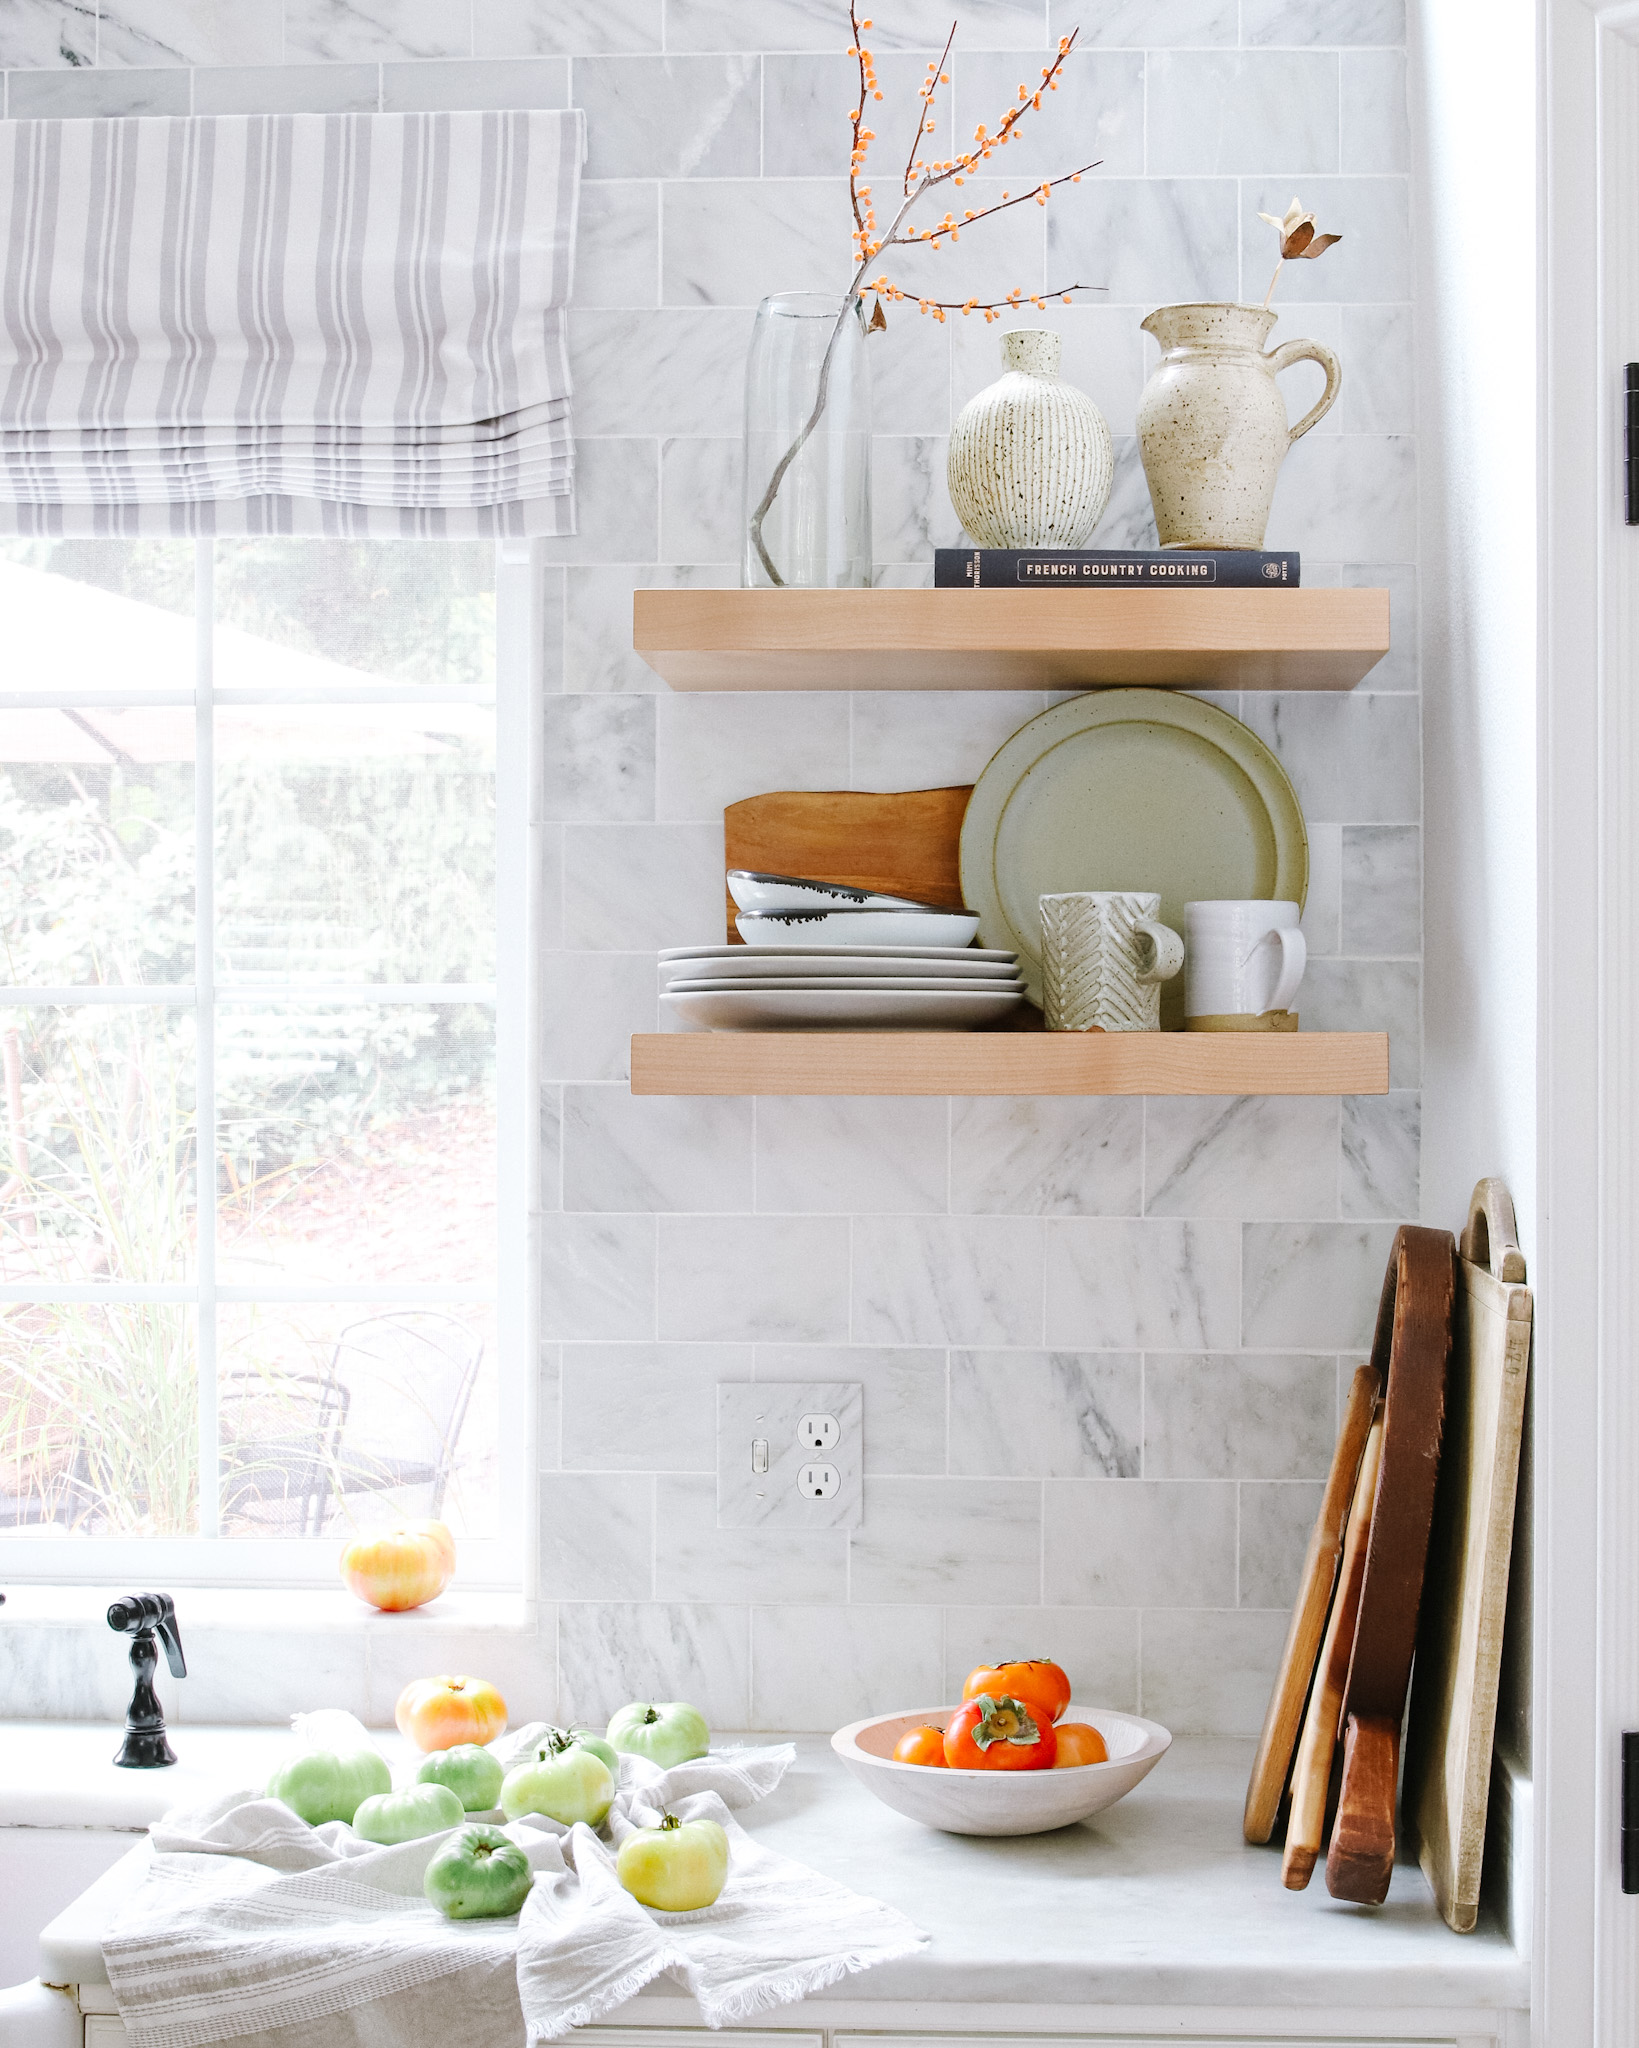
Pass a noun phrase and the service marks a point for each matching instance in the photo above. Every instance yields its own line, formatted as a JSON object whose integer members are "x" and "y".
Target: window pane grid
{"x": 329, "y": 1312}
{"x": 388, "y": 695}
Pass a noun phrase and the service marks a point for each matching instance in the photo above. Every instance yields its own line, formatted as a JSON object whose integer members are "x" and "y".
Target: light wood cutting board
{"x": 1273, "y": 1761}
{"x": 1459, "y": 1642}
{"x": 904, "y": 842}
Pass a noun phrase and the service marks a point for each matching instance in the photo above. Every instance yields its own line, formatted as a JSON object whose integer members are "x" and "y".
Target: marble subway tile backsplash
{"x": 1100, "y": 1340}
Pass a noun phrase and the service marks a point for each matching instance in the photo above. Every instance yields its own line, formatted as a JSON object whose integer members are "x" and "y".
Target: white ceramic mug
{"x": 1104, "y": 955}
{"x": 1244, "y": 961}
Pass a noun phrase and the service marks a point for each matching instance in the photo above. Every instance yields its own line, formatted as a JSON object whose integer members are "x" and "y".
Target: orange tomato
{"x": 1037, "y": 1679}
{"x": 401, "y": 1567}
{"x": 921, "y": 1746}
{"x": 1000, "y": 1734}
{"x": 1080, "y": 1743}
{"x": 437, "y": 1713}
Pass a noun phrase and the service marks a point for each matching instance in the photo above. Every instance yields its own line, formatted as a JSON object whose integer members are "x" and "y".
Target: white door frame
{"x": 1586, "y": 1688}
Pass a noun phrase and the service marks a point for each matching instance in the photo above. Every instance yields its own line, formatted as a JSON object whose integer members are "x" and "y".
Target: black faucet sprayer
{"x": 143, "y": 1617}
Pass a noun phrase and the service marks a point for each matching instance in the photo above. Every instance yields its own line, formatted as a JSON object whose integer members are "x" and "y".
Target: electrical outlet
{"x": 790, "y": 1456}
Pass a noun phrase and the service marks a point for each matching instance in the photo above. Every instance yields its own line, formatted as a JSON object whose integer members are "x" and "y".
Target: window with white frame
{"x": 263, "y": 1030}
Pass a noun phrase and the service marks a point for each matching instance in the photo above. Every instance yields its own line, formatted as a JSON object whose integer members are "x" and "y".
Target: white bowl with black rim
{"x": 755, "y": 891}
{"x": 913, "y": 928}
{"x": 1000, "y": 1802}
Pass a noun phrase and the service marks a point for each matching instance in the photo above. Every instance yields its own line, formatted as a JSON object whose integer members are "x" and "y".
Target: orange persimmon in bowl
{"x": 924, "y": 1745}
{"x": 1037, "y": 1680}
{"x": 437, "y": 1713}
{"x": 399, "y": 1568}
{"x": 1079, "y": 1743}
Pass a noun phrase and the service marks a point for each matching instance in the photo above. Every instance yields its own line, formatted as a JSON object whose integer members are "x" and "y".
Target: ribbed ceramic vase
{"x": 1030, "y": 463}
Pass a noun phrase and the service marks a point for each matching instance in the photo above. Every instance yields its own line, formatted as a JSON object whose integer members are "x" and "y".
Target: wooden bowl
{"x": 1000, "y": 1802}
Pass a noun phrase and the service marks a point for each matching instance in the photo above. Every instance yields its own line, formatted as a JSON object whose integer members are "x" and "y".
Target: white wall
{"x": 1475, "y": 178}
{"x": 1101, "y": 1340}
{"x": 1473, "y": 98}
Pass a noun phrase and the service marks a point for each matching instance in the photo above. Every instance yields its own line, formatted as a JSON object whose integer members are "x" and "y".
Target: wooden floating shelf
{"x": 1010, "y": 1063}
{"x": 1324, "y": 639}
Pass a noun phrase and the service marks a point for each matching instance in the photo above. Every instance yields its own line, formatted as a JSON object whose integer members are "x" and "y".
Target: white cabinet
{"x": 41, "y": 1871}
{"x": 104, "y": 2030}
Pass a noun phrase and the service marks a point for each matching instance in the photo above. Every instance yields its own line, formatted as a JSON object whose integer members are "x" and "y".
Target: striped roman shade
{"x": 293, "y": 323}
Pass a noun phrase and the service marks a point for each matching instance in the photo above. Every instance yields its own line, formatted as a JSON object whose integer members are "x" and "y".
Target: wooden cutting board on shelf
{"x": 903, "y": 842}
{"x": 1320, "y": 1567}
{"x": 1411, "y": 1349}
{"x": 1459, "y": 1641}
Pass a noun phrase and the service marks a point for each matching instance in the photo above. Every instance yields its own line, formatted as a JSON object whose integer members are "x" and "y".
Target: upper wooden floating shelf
{"x": 1324, "y": 639}
{"x": 1010, "y": 1063}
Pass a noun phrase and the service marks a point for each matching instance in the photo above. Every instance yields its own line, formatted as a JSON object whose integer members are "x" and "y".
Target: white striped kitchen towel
{"x": 252, "y": 1927}
{"x": 288, "y": 323}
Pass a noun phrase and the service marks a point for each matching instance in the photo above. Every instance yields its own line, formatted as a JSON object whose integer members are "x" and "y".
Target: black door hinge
{"x": 1630, "y": 1811}
{"x": 1630, "y": 445}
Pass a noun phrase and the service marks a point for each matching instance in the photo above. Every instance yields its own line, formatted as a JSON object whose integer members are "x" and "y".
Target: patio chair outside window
{"x": 279, "y": 1435}
{"x": 408, "y": 1376}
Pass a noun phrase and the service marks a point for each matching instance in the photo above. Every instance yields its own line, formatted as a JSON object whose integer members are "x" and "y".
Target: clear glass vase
{"x": 806, "y": 486}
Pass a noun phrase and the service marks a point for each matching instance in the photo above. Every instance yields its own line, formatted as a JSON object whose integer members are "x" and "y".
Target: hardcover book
{"x": 1112, "y": 568}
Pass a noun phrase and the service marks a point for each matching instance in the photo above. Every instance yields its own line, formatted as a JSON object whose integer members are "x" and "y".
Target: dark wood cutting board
{"x": 905, "y": 842}
{"x": 1411, "y": 1349}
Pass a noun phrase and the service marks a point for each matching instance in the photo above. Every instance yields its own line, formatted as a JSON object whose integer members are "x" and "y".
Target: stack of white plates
{"x": 831, "y": 987}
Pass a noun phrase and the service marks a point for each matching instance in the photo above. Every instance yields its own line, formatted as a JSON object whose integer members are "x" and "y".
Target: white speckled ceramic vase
{"x": 1030, "y": 463}
{"x": 1212, "y": 423}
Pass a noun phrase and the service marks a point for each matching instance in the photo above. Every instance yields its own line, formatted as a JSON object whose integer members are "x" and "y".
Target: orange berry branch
{"x": 920, "y": 177}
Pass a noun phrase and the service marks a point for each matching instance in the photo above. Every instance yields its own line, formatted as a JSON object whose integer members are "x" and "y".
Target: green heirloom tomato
{"x": 407, "y": 1816}
{"x": 599, "y": 1748}
{"x": 326, "y": 1784}
{"x": 667, "y": 1734}
{"x": 478, "y": 1875}
{"x": 471, "y": 1773}
{"x": 678, "y": 1867}
{"x": 561, "y": 1780}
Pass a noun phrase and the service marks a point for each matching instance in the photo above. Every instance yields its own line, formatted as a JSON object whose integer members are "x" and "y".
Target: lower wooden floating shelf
{"x": 1010, "y": 1063}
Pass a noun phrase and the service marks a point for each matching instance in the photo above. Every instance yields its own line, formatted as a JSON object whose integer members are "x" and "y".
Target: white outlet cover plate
{"x": 772, "y": 1499}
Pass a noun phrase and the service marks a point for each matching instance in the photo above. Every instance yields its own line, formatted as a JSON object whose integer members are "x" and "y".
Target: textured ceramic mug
{"x": 1245, "y": 961}
{"x": 1104, "y": 956}
{"x": 1212, "y": 422}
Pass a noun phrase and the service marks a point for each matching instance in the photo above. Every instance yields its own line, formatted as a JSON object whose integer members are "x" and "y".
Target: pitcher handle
{"x": 1292, "y": 352}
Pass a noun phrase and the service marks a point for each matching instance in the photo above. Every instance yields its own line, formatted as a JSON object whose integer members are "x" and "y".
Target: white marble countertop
{"x": 1156, "y": 1902}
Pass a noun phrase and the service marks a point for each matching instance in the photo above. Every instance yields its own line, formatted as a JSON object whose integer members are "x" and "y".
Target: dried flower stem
{"x": 868, "y": 245}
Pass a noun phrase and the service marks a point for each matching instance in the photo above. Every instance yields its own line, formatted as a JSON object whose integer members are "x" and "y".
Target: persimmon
{"x": 1079, "y": 1743}
{"x": 921, "y": 1746}
{"x": 1000, "y": 1734}
{"x": 1037, "y": 1679}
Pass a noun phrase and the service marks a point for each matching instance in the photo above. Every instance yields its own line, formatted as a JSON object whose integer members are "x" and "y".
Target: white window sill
{"x": 259, "y": 1655}
{"x": 254, "y": 1610}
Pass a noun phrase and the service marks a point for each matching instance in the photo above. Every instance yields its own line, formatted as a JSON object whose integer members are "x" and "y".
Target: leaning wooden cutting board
{"x": 1411, "y": 1348}
{"x": 1459, "y": 1642}
{"x": 1278, "y": 1743}
{"x": 904, "y": 842}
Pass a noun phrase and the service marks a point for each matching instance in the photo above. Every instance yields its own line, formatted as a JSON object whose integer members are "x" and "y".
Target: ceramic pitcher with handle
{"x": 1212, "y": 425}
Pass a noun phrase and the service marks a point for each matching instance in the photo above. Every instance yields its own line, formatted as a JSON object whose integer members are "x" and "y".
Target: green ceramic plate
{"x": 1128, "y": 789}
